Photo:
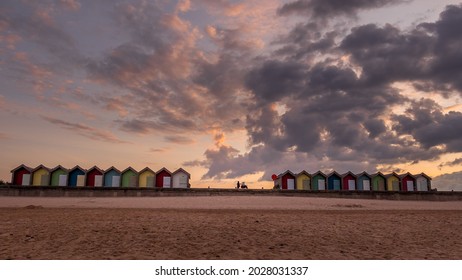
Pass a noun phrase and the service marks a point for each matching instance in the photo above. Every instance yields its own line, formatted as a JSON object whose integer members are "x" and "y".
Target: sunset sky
{"x": 232, "y": 90}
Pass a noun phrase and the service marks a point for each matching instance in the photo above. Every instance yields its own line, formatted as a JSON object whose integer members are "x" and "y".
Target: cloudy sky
{"x": 232, "y": 90}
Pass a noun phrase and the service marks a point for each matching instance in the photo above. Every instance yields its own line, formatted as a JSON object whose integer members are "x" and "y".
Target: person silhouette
{"x": 238, "y": 185}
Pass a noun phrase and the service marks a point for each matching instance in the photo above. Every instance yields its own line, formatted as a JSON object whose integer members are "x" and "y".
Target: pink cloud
{"x": 86, "y": 131}
{"x": 11, "y": 40}
{"x": 73, "y": 5}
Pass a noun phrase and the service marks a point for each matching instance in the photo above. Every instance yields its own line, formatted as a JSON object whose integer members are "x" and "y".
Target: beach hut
{"x": 76, "y": 177}
{"x": 407, "y": 182}
{"x": 379, "y": 181}
{"x": 349, "y": 181}
{"x": 94, "y": 177}
{"x": 129, "y": 176}
{"x": 423, "y": 182}
{"x": 20, "y": 176}
{"x": 58, "y": 176}
{"x": 303, "y": 181}
{"x": 40, "y": 176}
{"x": 392, "y": 182}
{"x": 111, "y": 177}
{"x": 287, "y": 180}
{"x": 180, "y": 179}
{"x": 334, "y": 181}
{"x": 318, "y": 181}
{"x": 363, "y": 181}
{"x": 146, "y": 178}
{"x": 163, "y": 178}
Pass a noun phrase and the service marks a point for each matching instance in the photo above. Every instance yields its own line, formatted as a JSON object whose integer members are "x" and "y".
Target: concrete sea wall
{"x": 46, "y": 191}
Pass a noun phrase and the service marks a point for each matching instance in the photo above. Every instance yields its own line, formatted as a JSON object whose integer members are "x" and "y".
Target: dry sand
{"x": 238, "y": 227}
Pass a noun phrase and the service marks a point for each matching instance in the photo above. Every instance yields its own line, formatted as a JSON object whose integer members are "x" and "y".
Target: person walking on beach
{"x": 238, "y": 185}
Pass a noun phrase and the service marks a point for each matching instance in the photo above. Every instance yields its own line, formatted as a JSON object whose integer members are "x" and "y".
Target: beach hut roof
{"x": 378, "y": 174}
{"x": 405, "y": 175}
{"x": 287, "y": 172}
{"x": 181, "y": 170}
{"x": 147, "y": 169}
{"x": 59, "y": 167}
{"x": 334, "y": 173}
{"x": 164, "y": 169}
{"x": 129, "y": 168}
{"x": 22, "y": 166}
{"x": 392, "y": 174}
{"x": 319, "y": 173}
{"x": 78, "y": 167}
{"x": 423, "y": 175}
{"x": 41, "y": 166}
{"x": 304, "y": 172}
{"x": 364, "y": 173}
{"x": 348, "y": 173}
{"x": 112, "y": 168}
{"x": 95, "y": 168}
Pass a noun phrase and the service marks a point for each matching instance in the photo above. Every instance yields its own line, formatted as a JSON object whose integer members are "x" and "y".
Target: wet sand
{"x": 228, "y": 228}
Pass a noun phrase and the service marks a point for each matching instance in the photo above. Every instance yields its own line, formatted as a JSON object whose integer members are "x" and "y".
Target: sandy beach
{"x": 239, "y": 227}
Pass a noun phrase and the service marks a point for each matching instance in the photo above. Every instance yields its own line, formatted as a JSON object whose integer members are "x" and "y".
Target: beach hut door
{"x": 423, "y": 185}
{"x": 98, "y": 180}
{"x": 183, "y": 181}
{"x": 336, "y": 184}
{"x": 366, "y": 185}
{"x": 62, "y": 180}
{"x": 351, "y": 185}
{"x": 166, "y": 182}
{"x": 410, "y": 186}
{"x": 26, "y": 179}
{"x": 115, "y": 181}
{"x": 395, "y": 185}
{"x": 132, "y": 181}
{"x": 150, "y": 181}
{"x": 80, "y": 180}
{"x": 44, "y": 180}
{"x": 290, "y": 184}
{"x": 321, "y": 185}
{"x": 306, "y": 184}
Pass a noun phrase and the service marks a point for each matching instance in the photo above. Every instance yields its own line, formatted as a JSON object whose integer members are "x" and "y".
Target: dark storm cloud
{"x": 386, "y": 54}
{"x": 334, "y": 113}
{"x": 430, "y": 126}
{"x": 331, "y": 8}
{"x": 375, "y": 127}
{"x": 276, "y": 79}
{"x": 428, "y": 55}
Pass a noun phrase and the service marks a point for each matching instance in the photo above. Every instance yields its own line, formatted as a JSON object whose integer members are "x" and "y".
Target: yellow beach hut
{"x": 303, "y": 181}
{"x": 392, "y": 182}
{"x": 41, "y": 176}
{"x": 146, "y": 178}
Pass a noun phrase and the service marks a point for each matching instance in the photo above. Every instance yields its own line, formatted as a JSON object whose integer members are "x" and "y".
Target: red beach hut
{"x": 287, "y": 180}
{"x": 21, "y": 175}
{"x": 407, "y": 182}
{"x": 164, "y": 178}
{"x": 94, "y": 177}
{"x": 348, "y": 181}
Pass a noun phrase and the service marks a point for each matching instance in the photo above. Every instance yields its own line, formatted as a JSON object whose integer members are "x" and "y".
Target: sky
{"x": 233, "y": 90}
